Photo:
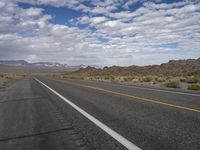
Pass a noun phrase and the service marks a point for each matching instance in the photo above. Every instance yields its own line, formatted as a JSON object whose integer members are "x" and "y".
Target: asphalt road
{"x": 152, "y": 119}
{"x": 33, "y": 117}
{"x": 30, "y": 121}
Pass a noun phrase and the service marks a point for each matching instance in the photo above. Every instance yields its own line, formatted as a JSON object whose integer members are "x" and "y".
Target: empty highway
{"x": 40, "y": 113}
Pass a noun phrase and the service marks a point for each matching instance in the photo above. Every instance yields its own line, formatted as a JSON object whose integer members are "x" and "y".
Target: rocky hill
{"x": 186, "y": 67}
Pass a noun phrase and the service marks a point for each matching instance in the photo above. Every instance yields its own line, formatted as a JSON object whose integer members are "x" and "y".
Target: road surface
{"x": 30, "y": 121}
{"x": 150, "y": 119}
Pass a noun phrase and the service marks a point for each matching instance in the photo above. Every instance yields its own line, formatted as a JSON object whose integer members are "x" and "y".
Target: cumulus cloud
{"x": 97, "y": 20}
{"x": 130, "y": 2}
{"x": 33, "y": 12}
{"x": 114, "y": 34}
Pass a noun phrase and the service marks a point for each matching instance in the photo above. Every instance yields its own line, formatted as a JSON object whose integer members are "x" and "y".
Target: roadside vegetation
{"x": 173, "y": 83}
{"x": 194, "y": 87}
{"x": 174, "y": 74}
{"x": 189, "y": 82}
{"x": 8, "y": 78}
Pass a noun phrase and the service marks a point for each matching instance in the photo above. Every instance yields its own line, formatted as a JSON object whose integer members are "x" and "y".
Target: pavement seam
{"x": 22, "y": 99}
{"x": 36, "y": 134}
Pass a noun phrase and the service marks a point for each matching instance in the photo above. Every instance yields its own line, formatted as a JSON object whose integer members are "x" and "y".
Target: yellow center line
{"x": 136, "y": 97}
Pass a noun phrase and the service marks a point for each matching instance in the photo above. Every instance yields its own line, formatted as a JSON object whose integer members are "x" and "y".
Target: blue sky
{"x": 101, "y": 32}
{"x": 61, "y": 15}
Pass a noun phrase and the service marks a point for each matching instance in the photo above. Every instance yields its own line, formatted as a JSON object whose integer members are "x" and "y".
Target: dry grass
{"x": 172, "y": 84}
{"x": 162, "y": 81}
{"x": 8, "y": 78}
{"x": 195, "y": 86}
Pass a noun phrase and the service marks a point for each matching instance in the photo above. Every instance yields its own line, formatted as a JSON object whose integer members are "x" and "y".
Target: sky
{"x": 99, "y": 32}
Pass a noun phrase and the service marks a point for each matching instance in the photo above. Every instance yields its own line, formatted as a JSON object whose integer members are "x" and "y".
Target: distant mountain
{"x": 85, "y": 66}
{"x": 172, "y": 68}
{"x": 13, "y": 62}
{"x": 22, "y": 65}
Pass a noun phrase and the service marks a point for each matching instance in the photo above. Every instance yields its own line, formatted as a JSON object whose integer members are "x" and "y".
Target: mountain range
{"x": 22, "y": 65}
{"x": 185, "y": 67}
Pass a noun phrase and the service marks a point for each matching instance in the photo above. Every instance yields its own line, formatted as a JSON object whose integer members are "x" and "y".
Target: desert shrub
{"x": 160, "y": 79}
{"x": 183, "y": 79}
{"x": 109, "y": 77}
{"x": 2, "y": 75}
{"x": 194, "y": 87}
{"x": 122, "y": 78}
{"x": 172, "y": 84}
{"x": 128, "y": 78}
{"x": 8, "y": 77}
{"x": 136, "y": 80}
{"x": 148, "y": 79}
{"x": 190, "y": 80}
{"x": 106, "y": 78}
{"x": 194, "y": 80}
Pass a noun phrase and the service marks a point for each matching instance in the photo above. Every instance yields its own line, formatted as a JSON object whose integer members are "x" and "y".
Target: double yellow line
{"x": 136, "y": 98}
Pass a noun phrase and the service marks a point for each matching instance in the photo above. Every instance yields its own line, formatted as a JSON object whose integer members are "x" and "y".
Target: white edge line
{"x": 126, "y": 143}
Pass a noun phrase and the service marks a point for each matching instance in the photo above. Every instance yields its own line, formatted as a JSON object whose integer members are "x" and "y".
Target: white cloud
{"x": 33, "y": 12}
{"x": 130, "y": 2}
{"x": 113, "y": 24}
{"x": 97, "y": 20}
{"x": 56, "y": 3}
{"x": 119, "y": 37}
